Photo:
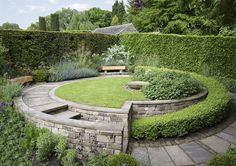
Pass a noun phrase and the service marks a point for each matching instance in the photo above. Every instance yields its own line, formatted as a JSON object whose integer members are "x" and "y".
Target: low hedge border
{"x": 204, "y": 114}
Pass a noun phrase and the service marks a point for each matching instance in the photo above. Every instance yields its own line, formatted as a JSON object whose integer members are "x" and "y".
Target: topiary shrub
{"x": 203, "y": 114}
{"x": 172, "y": 85}
{"x": 40, "y": 75}
{"x": 122, "y": 159}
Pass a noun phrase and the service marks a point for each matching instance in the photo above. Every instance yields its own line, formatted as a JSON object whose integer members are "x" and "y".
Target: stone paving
{"x": 195, "y": 152}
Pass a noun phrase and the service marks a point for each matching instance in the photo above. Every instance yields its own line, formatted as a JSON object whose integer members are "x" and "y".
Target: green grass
{"x": 105, "y": 92}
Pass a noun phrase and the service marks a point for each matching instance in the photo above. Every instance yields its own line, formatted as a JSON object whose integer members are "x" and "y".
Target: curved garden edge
{"x": 204, "y": 114}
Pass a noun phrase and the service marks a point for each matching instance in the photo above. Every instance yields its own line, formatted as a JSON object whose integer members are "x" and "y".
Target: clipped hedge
{"x": 28, "y": 50}
{"x": 203, "y": 114}
{"x": 207, "y": 55}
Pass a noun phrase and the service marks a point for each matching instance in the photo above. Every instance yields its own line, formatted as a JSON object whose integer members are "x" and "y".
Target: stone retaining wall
{"x": 160, "y": 107}
{"x": 87, "y": 137}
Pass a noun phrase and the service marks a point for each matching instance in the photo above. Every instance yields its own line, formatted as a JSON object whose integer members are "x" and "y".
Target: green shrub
{"x": 97, "y": 160}
{"x": 8, "y": 90}
{"x": 121, "y": 159}
{"x": 172, "y": 85}
{"x": 45, "y": 146}
{"x": 203, "y": 114}
{"x": 40, "y": 75}
{"x": 116, "y": 55}
{"x": 60, "y": 147}
{"x": 228, "y": 159}
{"x": 68, "y": 71}
{"x": 70, "y": 158}
{"x": 230, "y": 84}
{"x": 201, "y": 54}
{"x": 30, "y": 50}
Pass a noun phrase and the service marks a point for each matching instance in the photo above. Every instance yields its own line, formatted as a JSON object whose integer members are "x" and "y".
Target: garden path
{"x": 191, "y": 150}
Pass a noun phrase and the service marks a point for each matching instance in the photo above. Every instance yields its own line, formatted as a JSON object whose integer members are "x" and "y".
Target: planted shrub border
{"x": 207, "y": 55}
{"x": 29, "y": 50}
{"x": 206, "y": 113}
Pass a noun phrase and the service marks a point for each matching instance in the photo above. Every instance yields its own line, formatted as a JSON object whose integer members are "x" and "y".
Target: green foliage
{"x": 80, "y": 21}
{"x": 184, "y": 53}
{"x": 55, "y": 22}
{"x": 118, "y": 10}
{"x": 45, "y": 146}
{"x": 69, "y": 70}
{"x": 31, "y": 50}
{"x": 228, "y": 159}
{"x": 3, "y": 60}
{"x": 42, "y": 24}
{"x": 172, "y": 85}
{"x": 12, "y": 26}
{"x": 65, "y": 16}
{"x": 97, "y": 160}
{"x": 115, "y": 21}
{"x": 70, "y": 158}
{"x": 12, "y": 132}
{"x": 60, "y": 148}
{"x": 229, "y": 84}
{"x": 181, "y": 16}
{"x": 98, "y": 17}
{"x": 121, "y": 159}
{"x": 40, "y": 75}
{"x": 203, "y": 114}
{"x": 116, "y": 55}
{"x": 8, "y": 90}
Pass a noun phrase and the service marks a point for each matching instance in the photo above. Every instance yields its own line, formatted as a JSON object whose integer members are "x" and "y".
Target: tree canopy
{"x": 201, "y": 17}
{"x": 8, "y": 25}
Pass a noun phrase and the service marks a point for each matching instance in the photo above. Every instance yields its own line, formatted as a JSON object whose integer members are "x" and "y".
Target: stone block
{"x": 102, "y": 138}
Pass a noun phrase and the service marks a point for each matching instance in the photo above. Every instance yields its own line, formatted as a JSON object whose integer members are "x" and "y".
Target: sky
{"x": 24, "y": 12}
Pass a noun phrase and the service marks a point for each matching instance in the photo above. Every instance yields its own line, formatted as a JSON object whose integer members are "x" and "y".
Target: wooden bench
{"x": 112, "y": 68}
{"x": 23, "y": 79}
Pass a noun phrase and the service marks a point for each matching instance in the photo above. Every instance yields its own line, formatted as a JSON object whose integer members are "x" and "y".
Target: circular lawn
{"x": 104, "y": 92}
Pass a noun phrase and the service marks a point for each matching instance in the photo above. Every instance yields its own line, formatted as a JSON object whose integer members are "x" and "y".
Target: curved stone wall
{"x": 90, "y": 129}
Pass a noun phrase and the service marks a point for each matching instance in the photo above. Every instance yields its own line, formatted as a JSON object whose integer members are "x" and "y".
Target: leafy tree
{"x": 65, "y": 16}
{"x": 118, "y": 9}
{"x": 98, "y": 17}
{"x": 8, "y": 25}
{"x": 55, "y": 22}
{"x": 42, "y": 24}
{"x": 33, "y": 27}
{"x": 80, "y": 21}
{"x": 174, "y": 16}
{"x": 115, "y": 21}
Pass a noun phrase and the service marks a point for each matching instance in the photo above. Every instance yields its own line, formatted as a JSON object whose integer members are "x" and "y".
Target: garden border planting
{"x": 203, "y": 114}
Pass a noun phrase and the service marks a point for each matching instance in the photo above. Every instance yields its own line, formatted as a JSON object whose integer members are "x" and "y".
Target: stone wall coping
{"x": 127, "y": 105}
{"x": 22, "y": 107}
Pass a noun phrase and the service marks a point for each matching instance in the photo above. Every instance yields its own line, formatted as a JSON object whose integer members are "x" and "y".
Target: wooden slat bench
{"x": 112, "y": 68}
{"x": 23, "y": 79}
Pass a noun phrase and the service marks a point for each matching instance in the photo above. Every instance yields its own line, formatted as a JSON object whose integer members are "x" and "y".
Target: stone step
{"x": 159, "y": 157}
{"x": 141, "y": 154}
{"x": 65, "y": 114}
{"x": 47, "y": 108}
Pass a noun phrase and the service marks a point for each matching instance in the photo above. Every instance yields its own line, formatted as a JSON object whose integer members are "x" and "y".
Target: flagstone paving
{"x": 195, "y": 150}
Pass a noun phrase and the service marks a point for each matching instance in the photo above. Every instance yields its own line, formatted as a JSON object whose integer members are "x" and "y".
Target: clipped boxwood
{"x": 203, "y": 114}
{"x": 40, "y": 75}
{"x": 207, "y": 55}
{"x": 121, "y": 159}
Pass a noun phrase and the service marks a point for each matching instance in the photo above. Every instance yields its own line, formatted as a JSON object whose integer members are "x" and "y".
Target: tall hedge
{"x": 42, "y": 24}
{"x": 208, "y": 55}
{"x": 28, "y": 50}
{"x": 55, "y": 25}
